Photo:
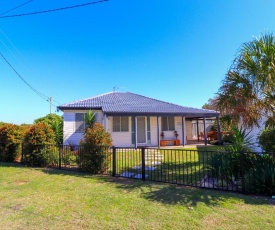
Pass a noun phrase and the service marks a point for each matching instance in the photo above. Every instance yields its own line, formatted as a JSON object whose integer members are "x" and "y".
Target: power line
{"x": 52, "y": 10}
{"x": 46, "y": 98}
{"x": 1, "y": 41}
{"x": 13, "y": 53}
{"x": 16, "y": 7}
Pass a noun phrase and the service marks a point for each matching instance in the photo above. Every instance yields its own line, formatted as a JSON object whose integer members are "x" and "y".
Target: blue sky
{"x": 177, "y": 51}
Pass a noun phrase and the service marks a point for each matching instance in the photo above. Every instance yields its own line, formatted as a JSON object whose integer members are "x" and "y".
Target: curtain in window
{"x": 79, "y": 123}
{"x": 171, "y": 123}
{"x": 124, "y": 124}
{"x": 167, "y": 123}
{"x": 116, "y": 124}
{"x": 120, "y": 124}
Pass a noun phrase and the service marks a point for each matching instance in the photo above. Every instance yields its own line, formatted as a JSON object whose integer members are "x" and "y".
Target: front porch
{"x": 189, "y": 144}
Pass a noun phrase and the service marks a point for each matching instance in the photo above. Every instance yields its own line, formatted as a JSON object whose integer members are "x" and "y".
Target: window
{"x": 120, "y": 124}
{"x": 167, "y": 123}
{"x": 79, "y": 123}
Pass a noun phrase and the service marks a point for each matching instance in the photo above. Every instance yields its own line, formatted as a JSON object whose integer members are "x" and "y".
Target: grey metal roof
{"x": 130, "y": 103}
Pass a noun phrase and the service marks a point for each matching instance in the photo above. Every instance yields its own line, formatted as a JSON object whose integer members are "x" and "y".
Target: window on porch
{"x": 120, "y": 124}
{"x": 168, "y": 123}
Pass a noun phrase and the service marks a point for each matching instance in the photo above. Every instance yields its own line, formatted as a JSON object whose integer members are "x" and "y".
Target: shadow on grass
{"x": 172, "y": 194}
{"x": 169, "y": 194}
{"x": 50, "y": 170}
{"x": 7, "y": 164}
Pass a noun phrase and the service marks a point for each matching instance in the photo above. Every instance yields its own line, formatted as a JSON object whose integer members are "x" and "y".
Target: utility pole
{"x": 50, "y": 105}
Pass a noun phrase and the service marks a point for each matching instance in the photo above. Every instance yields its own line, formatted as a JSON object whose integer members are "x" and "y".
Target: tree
{"x": 55, "y": 122}
{"x": 247, "y": 93}
{"x": 90, "y": 119}
{"x": 36, "y": 140}
{"x": 94, "y": 149}
{"x": 10, "y": 139}
{"x": 211, "y": 104}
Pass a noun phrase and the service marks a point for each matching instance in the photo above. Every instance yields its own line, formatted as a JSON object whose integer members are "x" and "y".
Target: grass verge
{"x": 33, "y": 198}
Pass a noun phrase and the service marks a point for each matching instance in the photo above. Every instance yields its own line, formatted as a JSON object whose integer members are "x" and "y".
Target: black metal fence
{"x": 252, "y": 173}
{"x": 69, "y": 157}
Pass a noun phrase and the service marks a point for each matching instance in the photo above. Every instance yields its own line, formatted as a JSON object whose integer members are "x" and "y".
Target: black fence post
{"x": 242, "y": 170}
{"x": 143, "y": 163}
{"x": 60, "y": 156}
{"x": 114, "y": 162}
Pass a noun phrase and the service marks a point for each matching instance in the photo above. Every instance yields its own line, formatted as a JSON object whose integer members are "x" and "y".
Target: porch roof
{"x": 125, "y": 103}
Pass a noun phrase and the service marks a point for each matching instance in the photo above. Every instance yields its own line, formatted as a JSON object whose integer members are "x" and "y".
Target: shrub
{"x": 260, "y": 178}
{"x": 267, "y": 140}
{"x": 241, "y": 140}
{"x": 227, "y": 137}
{"x": 94, "y": 152}
{"x": 55, "y": 122}
{"x": 10, "y": 139}
{"x": 227, "y": 165}
{"x": 35, "y": 152}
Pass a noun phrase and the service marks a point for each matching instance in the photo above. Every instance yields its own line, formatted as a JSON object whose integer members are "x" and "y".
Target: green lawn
{"x": 51, "y": 199}
{"x": 181, "y": 166}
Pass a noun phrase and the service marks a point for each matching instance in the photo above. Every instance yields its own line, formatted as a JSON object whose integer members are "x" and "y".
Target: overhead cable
{"x": 46, "y": 98}
{"x": 52, "y": 10}
{"x": 16, "y": 7}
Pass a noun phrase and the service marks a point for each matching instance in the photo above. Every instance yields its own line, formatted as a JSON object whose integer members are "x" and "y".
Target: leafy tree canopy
{"x": 55, "y": 122}
{"x": 211, "y": 104}
{"x": 247, "y": 93}
{"x": 90, "y": 119}
{"x": 49, "y": 119}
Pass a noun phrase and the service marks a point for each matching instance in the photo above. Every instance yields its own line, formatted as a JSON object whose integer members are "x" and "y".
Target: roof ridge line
{"x": 100, "y": 95}
{"x": 171, "y": 103}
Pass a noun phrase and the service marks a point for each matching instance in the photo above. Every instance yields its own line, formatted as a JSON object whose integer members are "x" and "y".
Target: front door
{"x": 141, "y": 130}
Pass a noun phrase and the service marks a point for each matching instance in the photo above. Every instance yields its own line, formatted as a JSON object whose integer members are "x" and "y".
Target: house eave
{"x": 119, "y": 113}
{"x": 63, "y": 108}
{"x": 187, "y": 115}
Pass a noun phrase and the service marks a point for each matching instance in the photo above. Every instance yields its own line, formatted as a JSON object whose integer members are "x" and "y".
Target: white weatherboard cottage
{"x": 133, "y": 120}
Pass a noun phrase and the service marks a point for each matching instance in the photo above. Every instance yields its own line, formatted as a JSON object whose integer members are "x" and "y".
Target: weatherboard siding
{"x": 170, "y": 135}
{"x": 124, "y": 139}
{"x": 120, "y": 139}
{"x": 69, "y": 134}
{"x": 254, "y": 132}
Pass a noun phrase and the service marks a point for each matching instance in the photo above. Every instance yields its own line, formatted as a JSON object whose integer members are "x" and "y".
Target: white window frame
{"x": 117, "y": 125}
{"x": 78, "y": 124}
{"x": 166, "y": 119}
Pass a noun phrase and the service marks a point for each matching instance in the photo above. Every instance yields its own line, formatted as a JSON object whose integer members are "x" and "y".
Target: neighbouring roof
{"x": 130, "y": 103}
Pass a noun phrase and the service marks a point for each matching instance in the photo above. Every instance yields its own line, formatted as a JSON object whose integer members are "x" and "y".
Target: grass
{"x": 35, "y": 198}
{"x": 181, "y": 166}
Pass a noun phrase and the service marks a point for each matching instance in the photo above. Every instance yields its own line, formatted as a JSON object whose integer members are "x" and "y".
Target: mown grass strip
{"x": 37, "y": 198}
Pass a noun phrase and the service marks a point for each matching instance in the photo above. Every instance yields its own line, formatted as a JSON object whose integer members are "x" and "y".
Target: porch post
{"x": 135, "y": 131}
{"x": 204, "y": 130}
{"x": 158, "y": 133}
{"x": 198, "y": 134}
{"x": 183, "y": 130}
{"x": 219, "y": 131}
{"x": 105, "y": 122}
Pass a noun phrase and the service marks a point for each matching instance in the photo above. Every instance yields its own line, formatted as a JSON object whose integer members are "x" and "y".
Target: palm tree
{"x": 247, "y": 93}
{"x": 90, "y": 119}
